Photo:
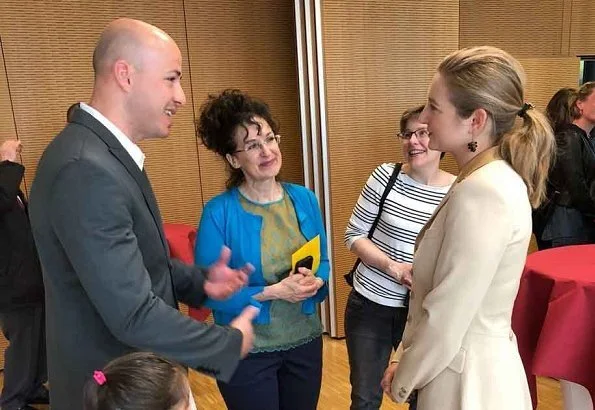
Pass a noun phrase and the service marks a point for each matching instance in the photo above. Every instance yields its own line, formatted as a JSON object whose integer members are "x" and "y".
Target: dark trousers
{"x": 283, "y": 380}
{"x": 372, "y": 331}
{"x": 25, "y": 363}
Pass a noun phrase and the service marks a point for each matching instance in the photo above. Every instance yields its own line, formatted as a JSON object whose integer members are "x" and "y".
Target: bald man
{"x": 111, "y": 287}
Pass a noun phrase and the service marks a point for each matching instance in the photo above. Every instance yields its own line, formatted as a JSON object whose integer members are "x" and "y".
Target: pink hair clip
{"x": 99, "y": 377}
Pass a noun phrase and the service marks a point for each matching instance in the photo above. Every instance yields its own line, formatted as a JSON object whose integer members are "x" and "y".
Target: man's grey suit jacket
{"x": 111, "y": 287}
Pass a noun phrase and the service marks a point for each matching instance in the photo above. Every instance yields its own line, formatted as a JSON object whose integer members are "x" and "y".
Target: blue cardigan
{"x": 225, "y": 222}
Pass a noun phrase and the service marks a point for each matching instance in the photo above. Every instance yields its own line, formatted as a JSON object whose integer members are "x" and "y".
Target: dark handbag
{"x": 391, "y": 181}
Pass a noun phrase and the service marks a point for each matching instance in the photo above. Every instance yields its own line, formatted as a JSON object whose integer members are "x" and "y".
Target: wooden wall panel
{"x": 48, "y": 49}
{"x": 379, "y": 59}
{"x": 524, "y": 28}
{"x": 545, "y": 76}
{"x": 248, "y": 45}
{"x": 7, "y": 129}
{"x": 582, "y": 33}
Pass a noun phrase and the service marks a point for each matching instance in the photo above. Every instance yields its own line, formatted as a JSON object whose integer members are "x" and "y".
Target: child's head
{"x": 139, "y": 381}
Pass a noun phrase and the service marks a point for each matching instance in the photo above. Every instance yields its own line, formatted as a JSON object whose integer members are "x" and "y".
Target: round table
{"x": 554, "y": 317}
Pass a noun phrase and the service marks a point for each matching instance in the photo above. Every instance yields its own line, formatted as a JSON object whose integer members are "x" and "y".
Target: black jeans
{"x": 372, "y": 332}
{"x": 281, "y": 380}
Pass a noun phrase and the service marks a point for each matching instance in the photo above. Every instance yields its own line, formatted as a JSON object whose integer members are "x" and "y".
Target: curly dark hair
{"x": 221, "y": 115}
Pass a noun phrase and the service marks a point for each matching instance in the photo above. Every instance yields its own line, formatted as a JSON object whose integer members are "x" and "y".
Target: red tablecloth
{"x": 180, "y": 239}
{"x": 554, "y": 316}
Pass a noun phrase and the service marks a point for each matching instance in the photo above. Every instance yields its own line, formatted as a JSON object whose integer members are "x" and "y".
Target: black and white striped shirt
{"x": 408, "y": 206}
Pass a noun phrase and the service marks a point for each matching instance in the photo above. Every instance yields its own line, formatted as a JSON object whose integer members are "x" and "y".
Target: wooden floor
{"x": 335, "y": 385}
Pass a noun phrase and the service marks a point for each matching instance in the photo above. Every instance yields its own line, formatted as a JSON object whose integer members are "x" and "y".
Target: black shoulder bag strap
{"x": 391, "y": 181}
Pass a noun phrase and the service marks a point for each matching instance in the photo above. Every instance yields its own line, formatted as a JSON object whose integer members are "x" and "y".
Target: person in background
{"x": 111, "y": 286}
{"x": 568, "y": 216}
{"x": 263, "y": 221}
{"x": 21, "y": 291}
{"x": 376, "y": 310}
{"x": 139, "y": 381}
{"x": 558, "y": 114}
{"x": 458, "y": 350}
{"x": 558, "y": 108}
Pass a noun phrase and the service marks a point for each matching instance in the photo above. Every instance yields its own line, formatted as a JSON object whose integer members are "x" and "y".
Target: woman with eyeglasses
{"x": 376, "y": 309}
{"x": 263, "y": 222}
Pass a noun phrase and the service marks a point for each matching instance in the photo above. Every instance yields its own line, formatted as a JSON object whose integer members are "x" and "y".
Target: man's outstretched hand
{"x": 223, "y": 281}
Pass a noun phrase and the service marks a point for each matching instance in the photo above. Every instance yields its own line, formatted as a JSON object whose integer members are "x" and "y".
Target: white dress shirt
{"x": 133, "y": 150}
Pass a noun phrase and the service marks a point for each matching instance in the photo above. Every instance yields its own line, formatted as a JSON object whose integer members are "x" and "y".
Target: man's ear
{"x": 124, "y": 74}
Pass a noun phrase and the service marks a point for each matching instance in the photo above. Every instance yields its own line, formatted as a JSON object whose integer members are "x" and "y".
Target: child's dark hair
{"x": 137, "y": 381}
{"x": 221, "y": 115}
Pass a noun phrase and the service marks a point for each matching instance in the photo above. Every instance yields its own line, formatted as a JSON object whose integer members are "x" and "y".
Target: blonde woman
{"x": 458, "y": 348}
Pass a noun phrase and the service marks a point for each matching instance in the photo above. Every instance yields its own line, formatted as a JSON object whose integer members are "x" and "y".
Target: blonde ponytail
{"x": 489, "y": 78}
{"x": 530, "y": 149}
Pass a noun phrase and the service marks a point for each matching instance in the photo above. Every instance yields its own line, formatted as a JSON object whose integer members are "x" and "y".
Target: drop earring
{"x": 472, "y": 146}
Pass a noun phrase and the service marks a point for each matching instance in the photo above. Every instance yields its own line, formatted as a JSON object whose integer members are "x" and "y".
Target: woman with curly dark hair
{"x": 263, "y": 222}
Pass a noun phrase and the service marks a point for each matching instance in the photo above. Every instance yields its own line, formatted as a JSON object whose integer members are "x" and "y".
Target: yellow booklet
{"x": 310, "y": 249}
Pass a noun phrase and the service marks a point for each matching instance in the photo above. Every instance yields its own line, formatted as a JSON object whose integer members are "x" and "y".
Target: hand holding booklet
{"x": 308, "y": 256}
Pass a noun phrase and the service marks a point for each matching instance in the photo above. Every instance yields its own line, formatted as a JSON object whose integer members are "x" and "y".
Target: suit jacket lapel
{"x": 85, "y": 119}
{"x": 484, "y": 158}
{"x": 429, "y": 223}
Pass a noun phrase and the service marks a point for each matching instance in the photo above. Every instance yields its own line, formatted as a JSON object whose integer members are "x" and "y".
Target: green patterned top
{"x": 280, "y": 236}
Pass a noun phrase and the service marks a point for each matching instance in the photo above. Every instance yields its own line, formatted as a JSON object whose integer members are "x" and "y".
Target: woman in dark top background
{"x": 568, "y": 218}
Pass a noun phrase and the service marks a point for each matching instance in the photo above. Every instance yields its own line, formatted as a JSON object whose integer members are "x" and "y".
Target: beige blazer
{"x": 458, "y": 347}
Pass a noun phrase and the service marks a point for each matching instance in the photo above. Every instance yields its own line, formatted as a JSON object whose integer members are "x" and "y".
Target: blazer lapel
{"x": 484, "y": 158}
{"x": 87, "y": 120}
{"x": 429, "y": 223}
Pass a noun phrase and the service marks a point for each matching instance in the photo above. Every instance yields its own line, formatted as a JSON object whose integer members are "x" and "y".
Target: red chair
{"x": 181, "y": 239}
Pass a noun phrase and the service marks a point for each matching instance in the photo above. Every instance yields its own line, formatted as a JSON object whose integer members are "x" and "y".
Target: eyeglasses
{"x": 421, "y": 134}
{"x": 257, "y": 146}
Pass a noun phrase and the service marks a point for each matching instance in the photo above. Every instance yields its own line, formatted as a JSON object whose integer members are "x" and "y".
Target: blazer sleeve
{"x": 11, "y": 175}
{"x": 89, "y": 212}
{"x": 309, "y": 305}
{"x": 189, "y": 281}
{"x": 477, "y": 230}
{"x": 210, "y": 239}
